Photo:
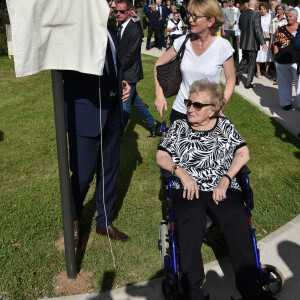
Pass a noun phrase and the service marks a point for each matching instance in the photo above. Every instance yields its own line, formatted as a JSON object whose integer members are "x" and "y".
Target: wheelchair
{"x": 270, "y": 278}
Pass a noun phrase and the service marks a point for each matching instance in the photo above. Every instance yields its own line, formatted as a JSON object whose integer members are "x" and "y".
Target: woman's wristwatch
{"x": 174, "y": 168}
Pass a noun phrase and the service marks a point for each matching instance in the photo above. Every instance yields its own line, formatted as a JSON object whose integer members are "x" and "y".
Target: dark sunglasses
{"x": 121, "y": 11}
{"x": 197, "y": 105}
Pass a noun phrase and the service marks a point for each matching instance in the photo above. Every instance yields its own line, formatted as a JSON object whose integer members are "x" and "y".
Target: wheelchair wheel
{"x": 163, "y": 242}
{"x": 170, "y": 290}
{"x": 272, "y": 279}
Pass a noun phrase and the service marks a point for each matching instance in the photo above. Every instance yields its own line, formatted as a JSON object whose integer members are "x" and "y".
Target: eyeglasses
{"x": 121, "y": 11}
{"x": 197, "y": 105}
{"x": 194, "y": 17}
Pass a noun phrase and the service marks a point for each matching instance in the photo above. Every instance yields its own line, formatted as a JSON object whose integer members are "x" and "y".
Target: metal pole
{"x": 63, "y": 167}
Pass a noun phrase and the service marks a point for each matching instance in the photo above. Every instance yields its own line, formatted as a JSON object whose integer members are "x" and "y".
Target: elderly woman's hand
{"x": 190, "y": 187}
{"x": 219, "y": 192}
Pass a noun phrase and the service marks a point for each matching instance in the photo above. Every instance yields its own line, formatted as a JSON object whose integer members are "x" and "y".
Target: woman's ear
{"x": 214, "y": 113}
{"x": 211, "y": 21}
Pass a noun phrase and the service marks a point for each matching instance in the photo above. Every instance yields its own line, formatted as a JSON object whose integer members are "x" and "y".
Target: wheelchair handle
{"x": 170, "y": 186}
{"x": 164, "y": 128}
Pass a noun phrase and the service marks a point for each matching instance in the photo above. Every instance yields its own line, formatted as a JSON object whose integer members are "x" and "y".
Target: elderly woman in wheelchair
{"x": 205, "y": 152}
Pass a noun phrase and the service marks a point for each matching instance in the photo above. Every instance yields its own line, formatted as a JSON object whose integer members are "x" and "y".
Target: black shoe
{"x": 287, "y": 107}
{"x": 155, "y": 129}
{"x": 249, "y": 86}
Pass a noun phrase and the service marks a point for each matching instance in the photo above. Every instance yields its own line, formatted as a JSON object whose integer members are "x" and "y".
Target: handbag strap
{"x": 182, "y": 48}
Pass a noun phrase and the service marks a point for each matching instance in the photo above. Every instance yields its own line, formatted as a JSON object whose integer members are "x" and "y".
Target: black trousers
{"x": 162, "y": 42}
{"x": 231, "y": 217}
{"x": 248, "y": 61}
{"x": 157, "y": 32}
{"x": 231, "y": 34}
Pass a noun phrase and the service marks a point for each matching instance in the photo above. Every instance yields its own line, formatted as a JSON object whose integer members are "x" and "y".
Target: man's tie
{"x": 111, "y": 69}
{"x": 119, "y": 32}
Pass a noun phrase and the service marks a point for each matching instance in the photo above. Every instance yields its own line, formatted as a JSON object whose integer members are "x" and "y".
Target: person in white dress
{"x": 262, "y": 56}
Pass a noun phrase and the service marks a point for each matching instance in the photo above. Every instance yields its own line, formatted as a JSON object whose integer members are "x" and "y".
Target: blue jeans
{"x": 139, "y": 105}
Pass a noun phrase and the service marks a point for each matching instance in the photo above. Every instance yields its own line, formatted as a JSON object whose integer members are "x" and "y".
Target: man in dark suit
{"x": 153, "y": 20}
{"x": 94, "y": 130}
{"x": 251, "y": 38}
{"x": 163, "y": 12}
{"x": 130, "y": 40}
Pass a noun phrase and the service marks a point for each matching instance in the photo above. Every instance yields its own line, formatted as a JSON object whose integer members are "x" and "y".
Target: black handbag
{"x": 169, "y": 74}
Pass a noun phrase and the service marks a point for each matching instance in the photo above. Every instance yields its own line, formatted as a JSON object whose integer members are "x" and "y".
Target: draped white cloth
{"x": 58, "y": 34}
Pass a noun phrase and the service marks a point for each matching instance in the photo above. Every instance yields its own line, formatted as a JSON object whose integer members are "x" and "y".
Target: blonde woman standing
{"x": 206, "y": 54}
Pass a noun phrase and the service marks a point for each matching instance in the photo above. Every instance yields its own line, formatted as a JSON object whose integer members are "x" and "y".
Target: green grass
{"x": 30, "y": 211}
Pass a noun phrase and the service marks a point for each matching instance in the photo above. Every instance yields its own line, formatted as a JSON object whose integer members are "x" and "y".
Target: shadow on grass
{"x": 286, "y": 136}
{"x": 85, "y": 229}
{"x": 1, "y": 136}
{"x": 107, "y": 284}
{"x": 130, "y": 158}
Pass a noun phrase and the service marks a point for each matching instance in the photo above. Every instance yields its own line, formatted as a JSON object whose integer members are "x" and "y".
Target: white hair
{"x": 292, "y": 11}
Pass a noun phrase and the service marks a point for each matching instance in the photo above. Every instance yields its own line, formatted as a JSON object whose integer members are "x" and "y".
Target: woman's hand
{"x": 190, "y": 187}
{"x": 160, "y": 103}
{"x": 241, "y": 157}
{"x": 219, "y": 192}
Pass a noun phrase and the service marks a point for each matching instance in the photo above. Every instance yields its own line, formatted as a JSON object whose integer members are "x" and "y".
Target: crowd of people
{"x": 255, "y": 38}
{"x": 266, "y": 34}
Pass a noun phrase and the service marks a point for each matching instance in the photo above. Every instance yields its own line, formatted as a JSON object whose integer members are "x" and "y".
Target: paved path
{"x": 281, "y": 248}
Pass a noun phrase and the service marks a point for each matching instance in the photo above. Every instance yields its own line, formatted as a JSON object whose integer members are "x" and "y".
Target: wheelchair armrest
{"x": 243, "y": 181}
{"x": 244, "y": 170}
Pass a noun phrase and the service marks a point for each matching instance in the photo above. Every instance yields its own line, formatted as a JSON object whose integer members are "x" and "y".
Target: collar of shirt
{"x": 124, "y": 26}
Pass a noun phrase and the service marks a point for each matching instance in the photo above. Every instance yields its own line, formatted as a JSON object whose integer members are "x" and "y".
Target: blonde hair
{"x": 211, "y": 9}
{"x": 244, "y": 7}
{"x": 211, "y": 88}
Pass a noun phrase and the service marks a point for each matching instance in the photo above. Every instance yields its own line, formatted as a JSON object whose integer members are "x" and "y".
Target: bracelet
{"x": 228, "y": 177}
{"x": 173, "y": 169}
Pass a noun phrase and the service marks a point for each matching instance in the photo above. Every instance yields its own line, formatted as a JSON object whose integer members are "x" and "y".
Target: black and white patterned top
{"x": 207, "y": 155}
